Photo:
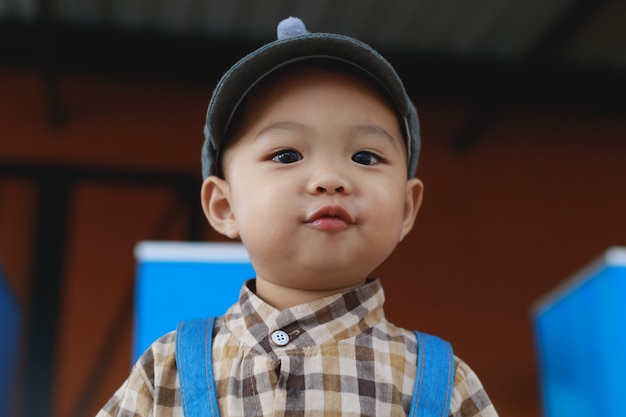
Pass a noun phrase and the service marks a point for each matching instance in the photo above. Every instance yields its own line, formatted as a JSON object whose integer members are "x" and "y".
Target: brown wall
{"x": 539, "y": 195}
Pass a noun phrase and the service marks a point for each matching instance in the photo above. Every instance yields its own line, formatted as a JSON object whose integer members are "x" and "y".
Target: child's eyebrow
{"x": 375, "y": 130}
{"x": 287, "y": 126}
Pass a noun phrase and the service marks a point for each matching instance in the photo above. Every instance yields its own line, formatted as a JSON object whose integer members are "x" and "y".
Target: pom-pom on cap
{"x": 296, "y": 44}
{"x": 290, "y": 27}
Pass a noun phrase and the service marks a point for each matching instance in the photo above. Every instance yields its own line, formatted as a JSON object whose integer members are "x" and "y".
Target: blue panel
{"x": 170, "y": 290}
{"x": 581, "y": 340}
{"x": 10, "y": 329}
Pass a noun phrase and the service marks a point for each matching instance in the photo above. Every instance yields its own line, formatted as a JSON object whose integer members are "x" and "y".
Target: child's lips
{"x": 330, "y": 218}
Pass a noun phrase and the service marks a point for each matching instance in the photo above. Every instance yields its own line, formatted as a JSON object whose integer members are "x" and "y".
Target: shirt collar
{"x": 329, "y": 319}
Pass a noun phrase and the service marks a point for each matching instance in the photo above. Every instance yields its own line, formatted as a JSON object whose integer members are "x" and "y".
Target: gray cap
{"x": 295, "y": 44}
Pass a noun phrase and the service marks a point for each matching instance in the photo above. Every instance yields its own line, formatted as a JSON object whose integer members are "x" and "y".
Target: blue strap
{"x": 434, "y": 379}
{"x": 194, "y": 340}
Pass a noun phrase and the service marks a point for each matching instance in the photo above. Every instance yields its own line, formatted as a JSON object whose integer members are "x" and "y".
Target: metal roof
{"x": 590, "y": 32}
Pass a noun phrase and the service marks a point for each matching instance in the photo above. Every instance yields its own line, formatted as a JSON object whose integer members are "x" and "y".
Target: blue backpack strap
{"x": 194, "y": 339}
{"x": 434, "y": 379}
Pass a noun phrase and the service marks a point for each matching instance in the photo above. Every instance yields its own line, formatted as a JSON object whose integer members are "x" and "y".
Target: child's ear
{"x": 412, "y": 204}
{"x": 216, "y": 203}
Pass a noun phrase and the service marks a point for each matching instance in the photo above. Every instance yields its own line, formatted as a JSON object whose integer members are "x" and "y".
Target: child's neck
{"x": 282, "y": 297}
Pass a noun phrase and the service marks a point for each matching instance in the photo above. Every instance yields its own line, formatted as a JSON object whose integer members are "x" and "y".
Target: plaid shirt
{"x": 342, "y": 358}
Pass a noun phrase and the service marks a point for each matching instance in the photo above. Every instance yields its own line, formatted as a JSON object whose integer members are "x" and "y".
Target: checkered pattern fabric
{"x": 339, "y": 356}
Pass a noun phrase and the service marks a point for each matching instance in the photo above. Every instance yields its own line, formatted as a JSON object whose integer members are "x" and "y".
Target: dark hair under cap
{"x": 295, "y": 44}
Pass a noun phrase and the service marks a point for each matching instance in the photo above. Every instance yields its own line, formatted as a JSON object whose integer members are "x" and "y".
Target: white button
{"x": 280, "y": 338}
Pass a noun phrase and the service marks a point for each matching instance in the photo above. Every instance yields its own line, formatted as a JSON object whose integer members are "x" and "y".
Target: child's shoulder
{"x": 160, "y": 355}
{"x": 469, "y": 396}
{"x": 148, "y": 388}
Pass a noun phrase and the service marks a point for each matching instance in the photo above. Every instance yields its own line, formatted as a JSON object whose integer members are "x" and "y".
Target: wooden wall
{"x": 539, "y": 194}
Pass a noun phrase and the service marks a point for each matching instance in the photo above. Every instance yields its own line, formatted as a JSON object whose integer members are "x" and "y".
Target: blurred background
{"x": 101, "y": 112}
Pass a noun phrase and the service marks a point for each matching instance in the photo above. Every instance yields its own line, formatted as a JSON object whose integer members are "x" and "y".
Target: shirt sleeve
{"x": 469, "y": 398}
{"x": 151, "y": 389}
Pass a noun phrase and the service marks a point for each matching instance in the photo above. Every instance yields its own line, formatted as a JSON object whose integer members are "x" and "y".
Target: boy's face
{"x": 315, "y": 181}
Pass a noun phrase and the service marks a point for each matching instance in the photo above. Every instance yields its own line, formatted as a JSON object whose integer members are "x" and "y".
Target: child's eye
{"x": 287, "y": 156}
{"x": 365, "y": 158}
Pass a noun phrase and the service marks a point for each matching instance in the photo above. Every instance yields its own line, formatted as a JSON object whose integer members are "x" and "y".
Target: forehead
{"x": 285, "y": 78}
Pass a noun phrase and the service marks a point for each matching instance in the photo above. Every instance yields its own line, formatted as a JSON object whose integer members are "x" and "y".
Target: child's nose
{"x": 328, "y": 181}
